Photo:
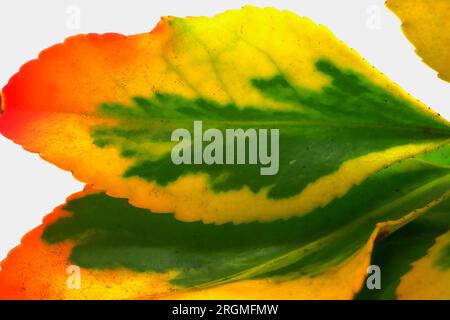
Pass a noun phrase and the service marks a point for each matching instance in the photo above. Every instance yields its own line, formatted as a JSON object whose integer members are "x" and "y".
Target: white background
{"x": 30, "y": 188}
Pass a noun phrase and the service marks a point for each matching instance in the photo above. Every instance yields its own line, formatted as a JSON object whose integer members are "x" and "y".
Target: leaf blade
{"x": 111, "y": 125}
{"x": 426, "y": 26}
{"x": 142, "y": 255}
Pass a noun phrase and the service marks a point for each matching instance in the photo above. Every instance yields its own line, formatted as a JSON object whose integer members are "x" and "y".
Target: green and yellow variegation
{"x": 125, "y": 252}
{"x": 104, "y": 107}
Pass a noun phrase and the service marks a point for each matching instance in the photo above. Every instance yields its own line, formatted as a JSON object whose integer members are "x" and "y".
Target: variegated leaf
{"x": 104, "y": 107}
{"x": 425, "y": 23}
{"x": 124, "y": 252}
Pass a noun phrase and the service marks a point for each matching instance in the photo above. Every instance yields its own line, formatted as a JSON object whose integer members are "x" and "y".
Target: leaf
{"x": 440, "y": 156}
{"x": 414, "y": 244}
{"x": 426, "y": 25}
{"x": 104, "y": 107}
{"x": 409, "y": 245}
{"x": 126, "y": 252}
{"x": 416, "y": 259}
{"x": 430, "y": 276}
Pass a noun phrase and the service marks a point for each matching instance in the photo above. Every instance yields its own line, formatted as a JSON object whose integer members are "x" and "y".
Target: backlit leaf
{"x": 104, "y": 107}
{"x": 127, "y": 252}
{"x": 426, "y": 24}
{"x": 419, "y": 245}
{"x": 429, "y": 277}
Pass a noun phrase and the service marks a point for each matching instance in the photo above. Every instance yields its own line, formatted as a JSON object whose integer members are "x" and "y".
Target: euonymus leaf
{"x": 425, "y": 23}
{"x": 440, "y": 156}
{"x": 395, "y": 254}
{"x": 429, "y": 277}
{"x": 105, "y": 106}
{"x": 410, "y": 246}
{"x": 126, "y": 252}
{"x": 415, "y": 244}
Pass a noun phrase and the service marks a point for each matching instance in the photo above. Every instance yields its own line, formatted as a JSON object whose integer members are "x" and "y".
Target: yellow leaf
{"x": 426, "y": 24}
